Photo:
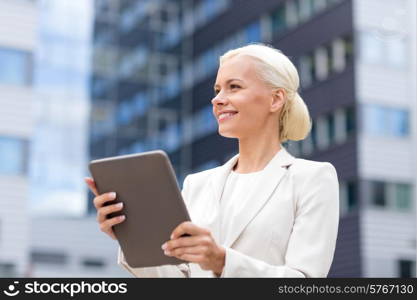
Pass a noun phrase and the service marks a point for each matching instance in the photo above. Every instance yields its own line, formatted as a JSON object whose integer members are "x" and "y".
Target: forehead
{"x": 240, "y": 66}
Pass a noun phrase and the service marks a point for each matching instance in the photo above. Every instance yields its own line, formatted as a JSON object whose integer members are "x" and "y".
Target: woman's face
{"x": 251, "y": 103}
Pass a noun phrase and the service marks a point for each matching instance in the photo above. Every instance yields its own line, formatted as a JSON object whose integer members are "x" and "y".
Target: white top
{"x": 235, "y": 197}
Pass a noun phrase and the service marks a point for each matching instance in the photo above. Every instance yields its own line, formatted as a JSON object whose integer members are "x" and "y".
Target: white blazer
{"x": 288, "y": 229}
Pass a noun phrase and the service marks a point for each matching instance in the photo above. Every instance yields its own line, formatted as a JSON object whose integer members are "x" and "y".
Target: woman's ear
{"x": 278, "y": 99}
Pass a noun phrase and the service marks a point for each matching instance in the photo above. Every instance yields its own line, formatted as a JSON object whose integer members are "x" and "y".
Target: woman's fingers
{"x": 102, "y": 212}
{"x": 188, "y": 228}
{"x": 103, "y": 198}
{"x": 181, "y": 242}
{"x": 106, "y": 226}
{"x": 186, "y": 250}
{"x": 92, "y": 185}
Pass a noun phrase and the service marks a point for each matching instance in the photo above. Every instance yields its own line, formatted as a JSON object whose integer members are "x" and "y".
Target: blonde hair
{"x": 278, "y": 71}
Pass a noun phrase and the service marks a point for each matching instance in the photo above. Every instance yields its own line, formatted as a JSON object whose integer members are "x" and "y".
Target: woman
{"x": 264, "y": 213}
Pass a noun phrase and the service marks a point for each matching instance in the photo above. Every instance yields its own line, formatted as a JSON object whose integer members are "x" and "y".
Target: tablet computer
{"x": 152, "y": 203}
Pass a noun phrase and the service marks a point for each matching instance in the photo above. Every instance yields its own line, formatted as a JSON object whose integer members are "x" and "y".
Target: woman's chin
{"x": 227, "y": 134}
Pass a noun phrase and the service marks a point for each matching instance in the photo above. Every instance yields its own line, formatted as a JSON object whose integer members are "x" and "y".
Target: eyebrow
{"x": 231, "y": 79}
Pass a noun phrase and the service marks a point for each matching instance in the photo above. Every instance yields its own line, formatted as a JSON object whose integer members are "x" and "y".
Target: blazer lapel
{"x": 258, "y": 193}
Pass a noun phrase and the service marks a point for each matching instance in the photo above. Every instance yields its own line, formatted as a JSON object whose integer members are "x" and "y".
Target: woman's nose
{"x": 218, "y": 99}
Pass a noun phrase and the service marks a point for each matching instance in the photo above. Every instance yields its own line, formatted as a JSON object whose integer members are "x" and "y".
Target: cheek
{"x": 253, "y": 111}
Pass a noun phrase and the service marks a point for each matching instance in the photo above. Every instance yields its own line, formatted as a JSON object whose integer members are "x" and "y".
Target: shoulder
{"x": 313, "y": 173}
{"x": 200, "y": 176}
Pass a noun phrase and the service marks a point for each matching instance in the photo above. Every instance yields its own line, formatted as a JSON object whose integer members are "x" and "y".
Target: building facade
{"x": 72, "y": 247}
{"x": 155, "y": 64}
{"x": 18, "y": 23}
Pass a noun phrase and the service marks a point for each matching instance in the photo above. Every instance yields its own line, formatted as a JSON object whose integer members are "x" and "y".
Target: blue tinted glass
{"x": 375, "y": 120}
{"x": 14, "y": 67}
{"x": 399, "y": 122}
{"x": 11, "y": 156}
{"x": 253, "y": 33}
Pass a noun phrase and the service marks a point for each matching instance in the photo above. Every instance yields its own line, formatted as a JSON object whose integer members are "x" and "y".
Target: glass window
{"x": 12, "y": 156}
{"x": 385, "y": 121}
{"x": 171, "y": 137}
{"x": 371, "y": 48}
{"x": 396, "y": 52}
{"x": 352, "y": 200}
{"x": 7, "y": 270}
{"x": 306, "y": 70}
{"x": 349, "y": 49}
{"x": 350, "y": 120}
{"x": 330, "y": 128}
{"x": 321, "y": 61}
{"x": 291, "y": 14}
{"x": 319, "y": 5}
{"x": 253, "y": 33}
{"x": 15, "y": 67}
{"x": 204, "y": 122}
{"x": 49, "y": 258}
{"x": 378, "y": 193}
{"x": 305, "y": 9}
{"x": 406, "y": 268}
{"x": 322, "y": 132}
{"x": 140, "y": 103}
{"x": 403, "y": 197}
{"x": 278, "y": 20}
{"x": 338, "y": 55}
{"x": 399, "y": 122}
{"x": 313, "y": 134}
{"x": 375, "y": 120}
{"x": 93, "y": 263}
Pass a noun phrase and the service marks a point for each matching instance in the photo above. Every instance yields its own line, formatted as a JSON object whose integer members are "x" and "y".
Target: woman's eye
{"x": 234, "y": 86}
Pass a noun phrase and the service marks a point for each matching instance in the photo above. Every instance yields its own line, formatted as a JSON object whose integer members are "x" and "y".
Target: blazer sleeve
{"x": 312, "y": 242}
{"x": 181, "y": 270}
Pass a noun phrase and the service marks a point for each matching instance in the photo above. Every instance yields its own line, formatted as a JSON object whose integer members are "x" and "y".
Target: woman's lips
{"x": 226, "y": 116}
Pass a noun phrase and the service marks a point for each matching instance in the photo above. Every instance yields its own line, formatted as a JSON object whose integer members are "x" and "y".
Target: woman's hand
{"x": 102, "y": 210}
{"x": 199, "y": 247}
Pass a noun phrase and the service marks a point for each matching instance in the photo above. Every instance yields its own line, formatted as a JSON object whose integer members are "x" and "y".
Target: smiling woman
{"x": 264, "y": 213}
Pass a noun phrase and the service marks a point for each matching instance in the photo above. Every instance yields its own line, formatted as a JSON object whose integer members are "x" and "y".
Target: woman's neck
{"x": 256, "y": 152}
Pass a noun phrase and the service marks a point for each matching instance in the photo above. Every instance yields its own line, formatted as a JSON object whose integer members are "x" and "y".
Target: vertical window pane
{"x": 378, "y": 195}
{"x": 305, "y": 9}
{"x": 396, "y": 52}
{"x": 313, "y": 134}
{"x": 319, "y": 5}
{"x": 253, "y": 33}
{"x": 338, "y": 55}
{"x": 348, "y": 41}
{"x": 399, "y": 122}
{"x": 291, "y": 13}
{"x": 371, "y": 48}
{"x": 278, "y": 20}
{"x": 403, "y": 196}
{"x": 321, "y": 58}
{"x": 405, "y": 268}
{"x": 330, "y": 128}
{"x": 351, "y": 195}
{"x": 12, "y": 156}
{"x": 350, "y": 120}
{"x": 375, "y": 120}
{"x": 307, "y": 70}
{"x": 14, "y": 67}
